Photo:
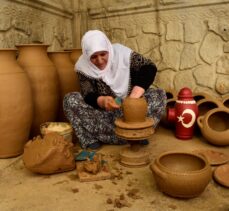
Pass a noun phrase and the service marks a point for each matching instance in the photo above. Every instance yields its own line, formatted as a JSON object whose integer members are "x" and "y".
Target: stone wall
{"x": 188, "y": 40}
{"x": 36, "y": 21}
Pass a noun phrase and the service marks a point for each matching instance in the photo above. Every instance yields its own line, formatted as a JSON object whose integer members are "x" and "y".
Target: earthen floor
{"x": 22, "y": 190}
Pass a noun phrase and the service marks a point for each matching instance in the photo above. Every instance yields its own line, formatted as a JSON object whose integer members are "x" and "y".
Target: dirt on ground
{"x": 128, "y": 188}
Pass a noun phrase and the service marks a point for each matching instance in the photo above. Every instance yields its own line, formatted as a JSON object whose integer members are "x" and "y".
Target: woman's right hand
{"x": 107, "y": 102}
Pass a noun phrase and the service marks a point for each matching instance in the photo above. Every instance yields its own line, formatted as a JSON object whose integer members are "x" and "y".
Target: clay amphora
{"x": 75, "y": 53}
{"x": 181, "y": 174}
{"x": 43, "y": 77}
{"x": 16, "y": 107}
{"x": 134, "y": 109}
{"x": 214, "y": 126}
{"x": 68, "y": 79}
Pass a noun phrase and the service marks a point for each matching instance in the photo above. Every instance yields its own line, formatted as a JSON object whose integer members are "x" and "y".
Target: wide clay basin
{"x": 214, "y": 126}
{"x": 181, "y": 174}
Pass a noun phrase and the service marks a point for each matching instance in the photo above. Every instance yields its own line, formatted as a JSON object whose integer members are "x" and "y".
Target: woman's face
{"x": 99, "y": 59}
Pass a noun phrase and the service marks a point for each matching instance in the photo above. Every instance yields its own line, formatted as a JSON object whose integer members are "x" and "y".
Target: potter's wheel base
{"x": 134, "y": 157}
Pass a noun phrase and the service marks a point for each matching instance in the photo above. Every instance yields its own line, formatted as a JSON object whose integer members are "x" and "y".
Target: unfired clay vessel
{"x": 43, "y": 77}
{"x": 200, "y": 96}
{"x": 181, "y": 174}
{"x": 214, "y": 126}
{"x": 68, "y": 79}
{"x": 226, "y": 101}
{"x": 207, "y": 104}
{"x": 221, "y": 175}
{"x": 16, "y": 108}
{"x": 52, "y": 154}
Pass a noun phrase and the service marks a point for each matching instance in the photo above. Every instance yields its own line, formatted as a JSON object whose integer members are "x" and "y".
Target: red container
{"x": 184, "y": 114}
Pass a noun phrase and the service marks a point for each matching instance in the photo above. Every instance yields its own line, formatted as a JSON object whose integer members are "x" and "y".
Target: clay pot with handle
{"x": 214, "y": 126}
{"x": 181, "y": 174}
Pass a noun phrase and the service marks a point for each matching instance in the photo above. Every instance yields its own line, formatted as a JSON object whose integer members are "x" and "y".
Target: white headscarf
{"x": 116, "y": 74}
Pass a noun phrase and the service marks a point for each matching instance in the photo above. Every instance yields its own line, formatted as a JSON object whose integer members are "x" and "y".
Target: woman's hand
{"x": 137, "y": 92}
{"x": 107, "y": 102}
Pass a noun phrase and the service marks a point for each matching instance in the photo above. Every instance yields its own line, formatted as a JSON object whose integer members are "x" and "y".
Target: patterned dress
{"x": 92, "y": 124}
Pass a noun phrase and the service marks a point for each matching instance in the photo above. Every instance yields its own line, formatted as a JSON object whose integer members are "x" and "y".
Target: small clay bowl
{"x": 181, "y": 174}
{"x": 221, "y": 175}
{"x": 226, "y": 101}
{"x": 207, "y": 104}
{"x": 170, "y": 94}
{"x": 200, "y": 95}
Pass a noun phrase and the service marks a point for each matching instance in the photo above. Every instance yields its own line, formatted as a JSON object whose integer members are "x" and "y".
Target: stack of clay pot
{"x": 181, "y": 174}
{"x": 16, "y": 107}
{"x": 134, "y": 125}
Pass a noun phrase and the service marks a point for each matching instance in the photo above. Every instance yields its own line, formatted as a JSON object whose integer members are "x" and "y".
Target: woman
{"x": 108, "y": 72}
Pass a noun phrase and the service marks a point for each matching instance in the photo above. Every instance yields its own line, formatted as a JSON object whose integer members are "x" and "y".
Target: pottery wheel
{"x": 221, "y": 175}
{"x": 135, "y": 155}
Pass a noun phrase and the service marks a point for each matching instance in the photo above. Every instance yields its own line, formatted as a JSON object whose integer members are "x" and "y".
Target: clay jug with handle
{"x": 15, "y": 105}
{"x": 43, "y": 77}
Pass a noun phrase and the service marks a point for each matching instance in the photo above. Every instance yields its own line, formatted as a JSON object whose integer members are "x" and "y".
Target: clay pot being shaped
{"x": 75, "y": 54}
{"x": 16, "y": 106}
{"x": 207, "y": 104}
{"x": 53, "y": 154}
{"x": 68, "y": 79}
{"x": 181, "y": 174}
{"x": 43, "y": 77}
{"x": 214, "y": 126}
{"x": 226, "y": 101}
{"x": 134, "y": 109}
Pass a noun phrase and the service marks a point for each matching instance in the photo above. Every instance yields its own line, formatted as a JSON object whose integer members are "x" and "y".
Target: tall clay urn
{"x": 68, "y": 79}
{"x": 15, "y": 105}
{"x": 75, "y": 54}
{"x": 42, "y": 73}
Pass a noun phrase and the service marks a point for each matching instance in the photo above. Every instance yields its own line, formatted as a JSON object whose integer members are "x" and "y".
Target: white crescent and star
{"x": 192, "y": 121}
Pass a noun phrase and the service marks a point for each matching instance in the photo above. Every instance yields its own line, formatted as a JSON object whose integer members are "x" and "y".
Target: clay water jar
{"x": 181, "y": 174}
{"x": 43, "y": 78}
{"x": 68, "y": 79}
{"x": 207, "y": 104}
{"x": 16, "y": 107}
{"x": 214, "y": 126}
{"x": 134, "y": 109}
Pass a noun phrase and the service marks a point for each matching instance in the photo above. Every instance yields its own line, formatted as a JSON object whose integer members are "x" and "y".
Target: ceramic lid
{"x": 221, "y": 175}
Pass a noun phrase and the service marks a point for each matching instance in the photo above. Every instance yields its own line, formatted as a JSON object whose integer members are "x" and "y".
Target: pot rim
{"x": 31, "y": 45}
{"x": 186, "y": 173}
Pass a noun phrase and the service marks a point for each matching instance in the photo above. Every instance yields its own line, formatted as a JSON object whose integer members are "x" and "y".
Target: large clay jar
{"x": 44, "y": 82}
{"x": 15, "y": 105}
{"x": 75, "y": 54}
{"x": 214, "y": 126}
{"x": 134, "y": 109}
{"x": 181, "y": 174}
{"x": 68, "y": 79}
